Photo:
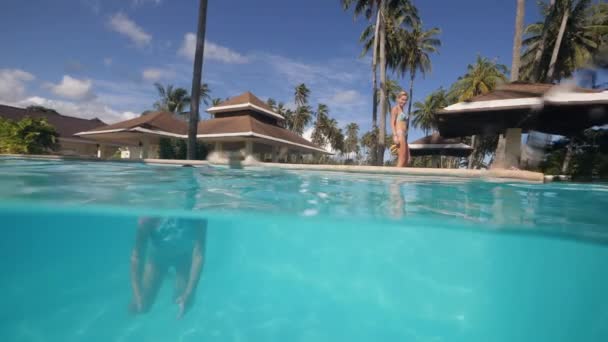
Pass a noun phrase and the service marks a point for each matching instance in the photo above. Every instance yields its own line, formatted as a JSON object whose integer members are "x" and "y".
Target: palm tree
{"x": 565, "y": 40}
{"x": 196, "y": 78}
{"x": 598, "y": 20}
{"x": 534, "y": 72}
{"x": 171, "y": 99}
{"x": 205, "y": 92}
{"x": 303, "y": 113}
{"x": 301, "y": 95}
{"x": 381, "y": 10}
{"x": 335, "y": 136}
{"x": 272, "y": 103}
{"x": 216, "y": 101}
{"x": 289, "y": 119}
{"x": 369, "y": 140}
{"x": 286, "y": 113}
{"x": 424, "y": 112}
{"x": 392, "y": 91}
{"x": 481, "y": 77}
{"x": 417, "y": 46}
{"x": 301, "y": 118}
{"x": 515, "y": 63}
{"x": 320, "y": 130}
{"x": 519, "y": 28}
{"x": 351, "y": 143}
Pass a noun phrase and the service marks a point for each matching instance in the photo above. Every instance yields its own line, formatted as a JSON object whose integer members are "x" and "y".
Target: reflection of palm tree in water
{"x": 162, "y": 243}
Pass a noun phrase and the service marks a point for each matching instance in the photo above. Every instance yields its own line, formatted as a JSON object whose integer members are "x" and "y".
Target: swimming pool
{"x": 304, "y": 256}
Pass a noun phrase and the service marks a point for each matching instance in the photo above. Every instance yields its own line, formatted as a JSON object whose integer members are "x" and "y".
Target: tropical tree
{"x": 27, "y": 136}
{"x": 517, "y": 39}
{"x": 369, "y": 142}
{"x": 171, "y": 99}
{"x": 175, "y": 100}
{"x": 424, "y": 112}
{"x": 303, "y": 113}
{"x": 583, "y": 156}
{"x": 335, "y": 136}
{"x": 598, "y": 20}
{"x": 570, "y": 34}
{"x": 382, "y": 11}
{"x": 286, "y": 113}
{"x": 216, "y": 101}
{"x": 481, "y": 77}
{"x": 301, "y": 95}
{"x": 320, "y": 128}
{"x": 35, "y": 108}
{"x": 205, "y": 94}
{"x": 351, "y": 142}
{"x": 392, "y": 91}
{"x": 272, "y": 103}
{"x": 289, "y": 119}
{"x": 196, "y": 84}
{"x": 417, "y": 45}
{"x": 325, "y": 130}
{"x": 301, "y": 118}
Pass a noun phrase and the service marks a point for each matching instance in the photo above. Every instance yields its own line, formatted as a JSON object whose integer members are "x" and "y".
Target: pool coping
{"x": 492, "y": 174}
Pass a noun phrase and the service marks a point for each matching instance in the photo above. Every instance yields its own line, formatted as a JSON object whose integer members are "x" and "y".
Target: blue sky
{"x": 97, "y": 58}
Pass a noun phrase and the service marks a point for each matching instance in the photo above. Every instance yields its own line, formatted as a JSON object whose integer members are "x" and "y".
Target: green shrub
{"x": 178, "y": 149}
{"x": 27, "y": 136}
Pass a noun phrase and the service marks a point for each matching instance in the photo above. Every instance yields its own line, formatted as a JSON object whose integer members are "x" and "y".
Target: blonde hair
{"x": 401, "y": 93}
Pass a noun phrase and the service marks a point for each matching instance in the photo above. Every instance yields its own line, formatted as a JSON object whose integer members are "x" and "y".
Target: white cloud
{"x": 156, "y": 74}
{"x": 212, "y": 51}
{"x": 137, "y": 3}
{"x": 344, "y": 97}
{"x": 87, "y": 110}
{"x": 107, "y": 61}
{"x": 120, "y": 23}
{"x": 126, "y": 94}
{"x": 344, "y": 101}
{"x": 73, "y": 88}
{"x": 299, "y": 72}
{"x": 93, "y": 5}
{"x": 12, "y": 84}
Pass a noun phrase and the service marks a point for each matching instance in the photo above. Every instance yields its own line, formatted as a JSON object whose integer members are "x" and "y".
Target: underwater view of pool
{"x": 302, "y": 255}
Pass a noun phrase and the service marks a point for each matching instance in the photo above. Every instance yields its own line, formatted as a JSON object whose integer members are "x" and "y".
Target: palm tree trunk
{"x": 383, "y": 109}
{"x": 515, "y": 64}
{"x": 196, "y": 79}
{"x": 375, "y": 85}
{"x": 472, "y": 156}
{"x": 558, "y": 43}
{"x": 409, "y": 105}
{"x": 519, "y": 28}
{"x": 541, "y": 48}
{"x": 568, "y": 157}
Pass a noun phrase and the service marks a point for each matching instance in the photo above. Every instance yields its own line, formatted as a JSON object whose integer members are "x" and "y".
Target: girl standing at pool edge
{"x": 399, "y": 122}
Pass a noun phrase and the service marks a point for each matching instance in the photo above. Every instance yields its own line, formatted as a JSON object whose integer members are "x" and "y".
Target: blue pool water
{"x": 303, "y": 256}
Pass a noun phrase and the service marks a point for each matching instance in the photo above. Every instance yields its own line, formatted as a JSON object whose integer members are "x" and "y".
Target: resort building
{"x": 241, "y": 126}
{"x": 516, "y": 108}
{"x": 66, "y": 127}
{"x": 246, "y": 123}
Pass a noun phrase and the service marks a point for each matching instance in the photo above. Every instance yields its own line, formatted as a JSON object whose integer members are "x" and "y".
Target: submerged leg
{"x": 183, "y": 264}
{"x": 154, "y": 273}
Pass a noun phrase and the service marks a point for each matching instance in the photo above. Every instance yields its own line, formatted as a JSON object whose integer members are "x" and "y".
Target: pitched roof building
{"x": 66, "y": 127}
{"x": 243, "y": 123}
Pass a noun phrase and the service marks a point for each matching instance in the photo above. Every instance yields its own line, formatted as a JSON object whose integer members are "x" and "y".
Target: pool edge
{"x": 493, "y": 174}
